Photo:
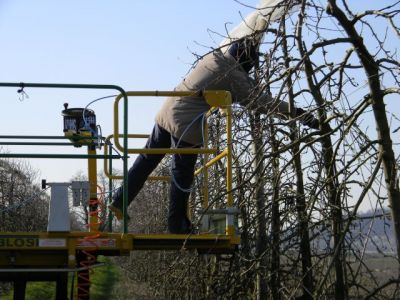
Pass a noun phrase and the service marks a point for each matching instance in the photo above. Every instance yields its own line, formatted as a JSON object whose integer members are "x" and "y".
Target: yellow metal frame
{"x": 216, "y": 99}
{"x": 45, "y": 250}
{"x": 92, "y": 176}
{"x": 219, "y": 99}
{"x": 107, "y": 170}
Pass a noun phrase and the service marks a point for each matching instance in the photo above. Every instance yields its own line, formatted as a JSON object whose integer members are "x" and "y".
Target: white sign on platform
{"x": 52, "y": 242}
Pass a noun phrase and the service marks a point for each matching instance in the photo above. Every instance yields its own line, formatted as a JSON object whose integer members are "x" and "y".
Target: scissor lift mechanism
{"x": 49, "y": 256}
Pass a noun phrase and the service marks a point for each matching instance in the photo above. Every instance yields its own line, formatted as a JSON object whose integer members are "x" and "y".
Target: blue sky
{"x": 138, "y": 45}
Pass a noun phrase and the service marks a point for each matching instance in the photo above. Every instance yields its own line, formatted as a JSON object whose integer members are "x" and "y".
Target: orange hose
{"x": 83, "y": 286}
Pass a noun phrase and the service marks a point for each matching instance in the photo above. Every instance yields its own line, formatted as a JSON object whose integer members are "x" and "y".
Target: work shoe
{"x": 117, "y": 212}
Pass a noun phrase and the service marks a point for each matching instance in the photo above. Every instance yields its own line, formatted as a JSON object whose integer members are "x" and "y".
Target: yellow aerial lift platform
{"x": 49, "y": 256}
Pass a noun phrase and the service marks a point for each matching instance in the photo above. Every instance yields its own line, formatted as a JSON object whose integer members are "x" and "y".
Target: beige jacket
{"x": 182, "y": 116}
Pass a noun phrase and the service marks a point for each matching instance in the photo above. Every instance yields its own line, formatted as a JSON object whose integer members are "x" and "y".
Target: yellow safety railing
{"x": 216, "y": 99}
{"x": 107, "y": 171}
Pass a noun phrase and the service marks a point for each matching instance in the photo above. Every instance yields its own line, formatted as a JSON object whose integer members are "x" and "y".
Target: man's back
{"x": 215, "y": 71}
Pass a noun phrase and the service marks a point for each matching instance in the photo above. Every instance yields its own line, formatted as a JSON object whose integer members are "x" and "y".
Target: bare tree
{"x": 300, "y": 192}
{"x": 372, "y": 66}
{"x": 23, "y": 205}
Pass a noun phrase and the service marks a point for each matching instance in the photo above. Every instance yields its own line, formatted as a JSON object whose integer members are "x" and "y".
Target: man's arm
{"x": 242, "y": 87}
{"x": 267, "y": 104}
{"x": 307, "y": 118}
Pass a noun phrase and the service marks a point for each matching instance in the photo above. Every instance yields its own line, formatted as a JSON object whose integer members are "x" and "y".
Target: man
{"x": 179, "y": 124}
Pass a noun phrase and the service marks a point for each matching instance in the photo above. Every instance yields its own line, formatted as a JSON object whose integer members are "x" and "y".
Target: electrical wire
{"x": 90, "y": 103}
{"x": 202, "y": 116}
{"x": 86, "y": 123}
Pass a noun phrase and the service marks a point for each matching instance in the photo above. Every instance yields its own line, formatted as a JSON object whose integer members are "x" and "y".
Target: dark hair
{"x": 245, "y": 53}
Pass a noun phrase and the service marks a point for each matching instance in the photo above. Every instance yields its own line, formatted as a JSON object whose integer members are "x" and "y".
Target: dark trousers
{"x": 182, "y": 173}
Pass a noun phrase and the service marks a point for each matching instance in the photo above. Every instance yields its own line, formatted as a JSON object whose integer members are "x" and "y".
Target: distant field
{"x": 374, "y": 271}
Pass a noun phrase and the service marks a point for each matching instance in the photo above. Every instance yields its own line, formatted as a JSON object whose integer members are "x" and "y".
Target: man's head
{"x": 245, "y": 52}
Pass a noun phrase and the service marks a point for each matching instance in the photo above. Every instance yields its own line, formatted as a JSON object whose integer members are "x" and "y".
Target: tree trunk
{"x": 329, "y": 167}
{"x": 261, "y": 225}
{"x": 275, "y": 223}
{"x": 305, "y": 249}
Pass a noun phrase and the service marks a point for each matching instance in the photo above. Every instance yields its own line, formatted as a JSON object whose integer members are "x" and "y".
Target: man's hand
{"x": 307, "y": 118}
